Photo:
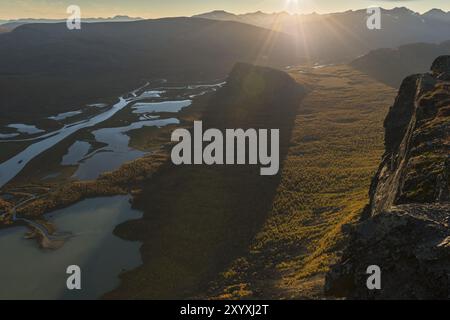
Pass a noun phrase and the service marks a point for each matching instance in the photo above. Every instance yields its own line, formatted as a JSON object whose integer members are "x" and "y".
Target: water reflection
{"x": 28, "y": 272}
{"x": 117, "y": 150}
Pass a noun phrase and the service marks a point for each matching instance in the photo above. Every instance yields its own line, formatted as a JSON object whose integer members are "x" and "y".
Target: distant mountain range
{"x": 344, "y": 36}
{"x": 59, "y": 69}
{"x": 286, "y": 20}
{"x": 391, "y": 66}
{"x": 9, "y": 25}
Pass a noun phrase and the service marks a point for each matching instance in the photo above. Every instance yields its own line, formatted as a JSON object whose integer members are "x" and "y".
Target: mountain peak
{"x": 216, "y": 14}
{"x": 437, "y": 14}
{"x": 219, "y": 12}
{"x": 435, "y": 11}
{"x": 125, "y": 17}
{"x": 401, "y": 10}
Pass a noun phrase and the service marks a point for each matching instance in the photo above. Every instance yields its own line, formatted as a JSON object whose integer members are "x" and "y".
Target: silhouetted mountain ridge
{"x": 392, "y": 65}
{"x": 343, "y": 36}
{"x": 59, "y": 68}
{"x": 9, "y": 25}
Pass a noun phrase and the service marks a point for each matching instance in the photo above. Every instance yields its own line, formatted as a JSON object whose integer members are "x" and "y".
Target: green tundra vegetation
{"x": 336, "y": 145}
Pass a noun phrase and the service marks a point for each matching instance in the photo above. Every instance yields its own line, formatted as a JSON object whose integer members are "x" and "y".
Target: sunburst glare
{"x": 292, "y": 6}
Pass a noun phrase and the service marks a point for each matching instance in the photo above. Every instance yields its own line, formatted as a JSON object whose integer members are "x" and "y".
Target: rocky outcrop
{"x": 405, "y": 228}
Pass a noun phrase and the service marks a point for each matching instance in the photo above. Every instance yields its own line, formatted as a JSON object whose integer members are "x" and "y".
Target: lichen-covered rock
{"x": 405, "y": 228}
{"x": 411, "y": 245}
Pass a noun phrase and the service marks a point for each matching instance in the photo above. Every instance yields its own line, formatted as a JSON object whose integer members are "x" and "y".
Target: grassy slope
{"x": 335, "y": 148}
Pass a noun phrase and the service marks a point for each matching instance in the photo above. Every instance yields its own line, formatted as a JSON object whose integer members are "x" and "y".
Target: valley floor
{"x": 279, "y": 248}
{"x": 336, "y": 145}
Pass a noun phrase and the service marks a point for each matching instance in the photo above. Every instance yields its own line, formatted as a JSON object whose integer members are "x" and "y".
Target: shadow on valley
{"x": 198, "y": 219}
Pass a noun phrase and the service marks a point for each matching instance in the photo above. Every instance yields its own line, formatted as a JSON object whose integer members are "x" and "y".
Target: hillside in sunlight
{"x": 335, "y": 147}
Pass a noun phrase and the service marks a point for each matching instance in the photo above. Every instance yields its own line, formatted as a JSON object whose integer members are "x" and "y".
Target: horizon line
{"x": 221, "y": 10}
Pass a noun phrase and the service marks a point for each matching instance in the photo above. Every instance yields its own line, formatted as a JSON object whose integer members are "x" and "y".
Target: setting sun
{"x": 292, "y": 6}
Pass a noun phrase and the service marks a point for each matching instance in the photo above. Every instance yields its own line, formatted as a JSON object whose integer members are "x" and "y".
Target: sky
{"x": 14, "y": 9}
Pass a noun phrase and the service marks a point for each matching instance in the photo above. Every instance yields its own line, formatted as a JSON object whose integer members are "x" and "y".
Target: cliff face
{"x": 405, "y": 228}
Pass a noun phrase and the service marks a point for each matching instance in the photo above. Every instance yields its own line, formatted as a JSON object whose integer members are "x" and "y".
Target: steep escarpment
{"x": 405, "y": 228}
